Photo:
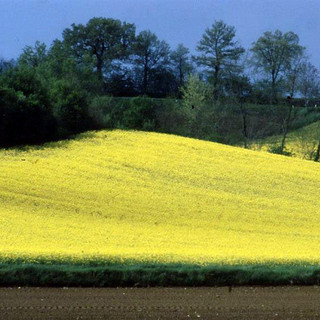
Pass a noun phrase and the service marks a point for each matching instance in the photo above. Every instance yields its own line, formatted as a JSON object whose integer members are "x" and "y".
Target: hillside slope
{"x": 301, "y": 143}
{"x": 121, "y": 195}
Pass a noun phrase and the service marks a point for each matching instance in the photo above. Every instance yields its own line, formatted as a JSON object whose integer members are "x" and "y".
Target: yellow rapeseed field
{"x": 121, "y": 195}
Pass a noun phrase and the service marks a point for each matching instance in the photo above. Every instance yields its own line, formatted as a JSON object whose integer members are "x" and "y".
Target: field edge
{"x": 162, "y": 275}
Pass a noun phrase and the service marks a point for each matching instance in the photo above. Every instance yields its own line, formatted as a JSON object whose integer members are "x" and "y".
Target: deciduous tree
{"x": 220, "y": 53}
{"x": 150, "y": 54}
{"x": 273, "y": 53}
{"x": 293, "y": 74}
{"x": 102, "y": 39}
{"x": 33, "y": 56}
{"x": 181, "y": 64}
{"x": 309, "y": 81}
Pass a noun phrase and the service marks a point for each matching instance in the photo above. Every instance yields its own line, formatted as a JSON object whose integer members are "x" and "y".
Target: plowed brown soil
{"x": 160, "y": 303}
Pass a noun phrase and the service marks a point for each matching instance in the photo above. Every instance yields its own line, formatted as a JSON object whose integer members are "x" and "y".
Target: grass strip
{"x": 143, "y": 275}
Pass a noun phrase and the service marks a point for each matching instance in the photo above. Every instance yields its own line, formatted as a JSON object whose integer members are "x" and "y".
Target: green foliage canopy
{"x": 219, "y": 53}
{"x": 273, "y": 53}
{"x": 102, "y": 40}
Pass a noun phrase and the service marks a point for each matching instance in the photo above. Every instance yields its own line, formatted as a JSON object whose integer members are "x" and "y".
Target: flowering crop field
{"x": 149, "y": 197}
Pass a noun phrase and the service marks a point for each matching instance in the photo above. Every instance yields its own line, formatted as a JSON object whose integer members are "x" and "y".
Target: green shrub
{"x": 143, "y": 275}
{"x": 140, "y": 115}
{"x": 100, "y": 110}
{"x": 71, "y": 109}
{"x": 26, "y": 115}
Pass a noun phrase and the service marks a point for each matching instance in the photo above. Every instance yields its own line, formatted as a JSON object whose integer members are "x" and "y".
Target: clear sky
{"x": 22, "y": 22}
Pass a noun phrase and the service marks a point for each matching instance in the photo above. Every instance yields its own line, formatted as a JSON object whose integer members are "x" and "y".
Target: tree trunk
{"x": 244, "y": 125}
{"x": 99, "y": 67}
{"x": 181, "y": 75}
{"x": 318, "y": 152}
{"x": 216, "y": 82}
{"x": 286, "y": 128}
{"x": 274, "y": 92}
{"x": 145, "y": 80}
{"x": 145, "y": 74}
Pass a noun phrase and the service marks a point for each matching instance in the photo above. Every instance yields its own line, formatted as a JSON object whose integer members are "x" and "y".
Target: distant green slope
{"x": 301, "y": 143}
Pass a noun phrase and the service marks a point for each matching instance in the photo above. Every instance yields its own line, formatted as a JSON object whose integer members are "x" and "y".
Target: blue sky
{"x": 22, "y": 22}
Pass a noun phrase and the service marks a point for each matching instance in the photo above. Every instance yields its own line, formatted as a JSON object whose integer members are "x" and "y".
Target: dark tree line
{"x": 126, "y": 63}
{"x": 108, "y": 57}
{"x": 52, "y": 92}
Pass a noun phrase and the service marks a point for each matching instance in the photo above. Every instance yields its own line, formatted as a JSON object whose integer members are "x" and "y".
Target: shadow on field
{"x": 56, "y": 144}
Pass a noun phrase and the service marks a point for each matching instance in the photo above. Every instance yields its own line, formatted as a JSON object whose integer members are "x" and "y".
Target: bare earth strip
{"x": 160, "y": 303}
